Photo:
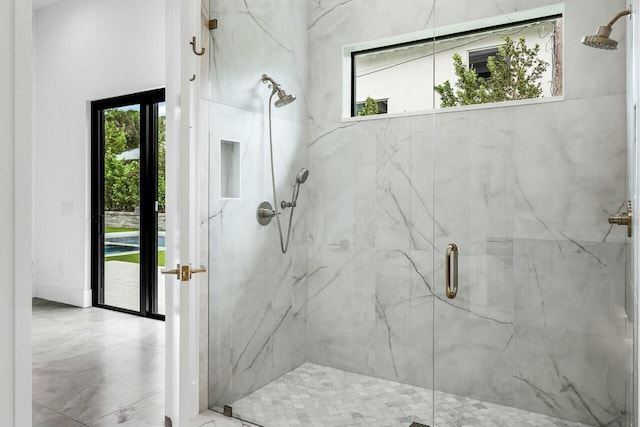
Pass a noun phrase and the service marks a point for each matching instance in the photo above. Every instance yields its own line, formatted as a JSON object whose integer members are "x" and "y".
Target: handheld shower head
{"x": 300, "y": 179}
{"x": 302, "y": 176}
{"x": 283, "y": 97}
{"x": 601, "y": 39}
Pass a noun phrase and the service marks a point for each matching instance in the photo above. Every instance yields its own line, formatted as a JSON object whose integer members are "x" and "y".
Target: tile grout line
{"x": 123, "y": 407}
{"x": 60, "y": 413}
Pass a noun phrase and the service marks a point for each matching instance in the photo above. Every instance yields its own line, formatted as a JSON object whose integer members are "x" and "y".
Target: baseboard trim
{"x": 72, "y": 296}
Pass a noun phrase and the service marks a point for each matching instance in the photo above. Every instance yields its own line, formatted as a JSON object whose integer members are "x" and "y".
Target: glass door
{"x": 128, "y": 203}
{"x": 532, "y": 325}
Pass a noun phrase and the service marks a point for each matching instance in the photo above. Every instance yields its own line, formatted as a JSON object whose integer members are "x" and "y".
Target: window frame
{"x": 495, "y": 23}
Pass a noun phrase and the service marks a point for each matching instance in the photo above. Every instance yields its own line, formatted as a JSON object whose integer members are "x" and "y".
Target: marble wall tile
{"x": 582, "y": 149}
{"x": 570, "y": 306}
{"x": 421, "y": 182}
{"x": 255, "y": 327}
{"x": 257, "y": 295}
{"x": 588, "y": 289}
{"x": 393, "y": 225}
{"x": 403, "y": 339}
{"x": 473, "y": 333}
{"x": 238, "y": 62}
{"x": 578, "y": 377}
{"x": 329, "y": 312}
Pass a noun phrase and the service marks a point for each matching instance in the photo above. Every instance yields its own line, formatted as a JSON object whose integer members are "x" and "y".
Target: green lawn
{"x": 119, "y": 229}
{"x": 135, "y": 258}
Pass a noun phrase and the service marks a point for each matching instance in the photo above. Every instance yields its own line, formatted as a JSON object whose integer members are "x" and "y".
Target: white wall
{"x": 85, "y": 50}
{"x": 15, "y": 220}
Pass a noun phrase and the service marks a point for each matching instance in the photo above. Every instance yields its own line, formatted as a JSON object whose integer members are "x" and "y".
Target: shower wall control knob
{"x": 265, "y": 212}
{"x": 624, "y": 218}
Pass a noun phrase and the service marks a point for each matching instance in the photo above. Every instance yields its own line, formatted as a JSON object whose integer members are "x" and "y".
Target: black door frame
{"x": 148, "y": 102}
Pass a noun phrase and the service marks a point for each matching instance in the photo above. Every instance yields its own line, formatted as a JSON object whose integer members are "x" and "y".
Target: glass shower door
{"x": 540, "y": 329}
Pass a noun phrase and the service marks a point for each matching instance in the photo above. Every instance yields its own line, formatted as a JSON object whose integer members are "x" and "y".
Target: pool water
{"x": 126, "y": 243}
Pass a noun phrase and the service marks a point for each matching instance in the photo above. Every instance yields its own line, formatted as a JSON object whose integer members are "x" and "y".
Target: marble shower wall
{"x": 257, "y": 296}
{"x": 540, "y": 320}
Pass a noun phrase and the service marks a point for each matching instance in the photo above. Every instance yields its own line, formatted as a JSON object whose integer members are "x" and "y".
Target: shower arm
{"x": 267, "y": 79}
{"x": 618, "y": 16}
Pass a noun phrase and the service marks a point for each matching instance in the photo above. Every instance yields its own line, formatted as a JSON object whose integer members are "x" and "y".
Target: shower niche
{"x": 229, "y": 169}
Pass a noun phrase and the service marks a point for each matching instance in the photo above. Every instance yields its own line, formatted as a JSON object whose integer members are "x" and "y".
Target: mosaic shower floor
{"x": 317, "y": 396}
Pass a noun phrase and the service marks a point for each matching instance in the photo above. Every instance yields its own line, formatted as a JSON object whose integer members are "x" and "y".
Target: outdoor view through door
{"x": 128, "y": 190}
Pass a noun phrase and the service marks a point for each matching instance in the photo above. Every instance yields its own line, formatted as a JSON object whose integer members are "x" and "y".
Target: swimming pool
{"x": 126, "y": 243}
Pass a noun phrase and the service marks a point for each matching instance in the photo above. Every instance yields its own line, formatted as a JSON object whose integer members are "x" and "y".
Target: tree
{"x": 515, "y": 74}
{"x": 121, "y": 177}
{"x": 370, "y": 107}
{"x": 129, "y": 122}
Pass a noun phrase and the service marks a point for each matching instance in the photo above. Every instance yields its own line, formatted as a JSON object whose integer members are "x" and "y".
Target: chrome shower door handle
{"x": 452, "y": 252}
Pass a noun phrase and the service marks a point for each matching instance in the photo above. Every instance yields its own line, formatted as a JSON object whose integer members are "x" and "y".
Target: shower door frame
{"x": 633, "y": 177}
{"x": 186, "y": 238}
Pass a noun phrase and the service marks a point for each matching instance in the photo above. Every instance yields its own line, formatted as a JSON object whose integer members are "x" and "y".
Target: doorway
{"x": 128, "y": 200}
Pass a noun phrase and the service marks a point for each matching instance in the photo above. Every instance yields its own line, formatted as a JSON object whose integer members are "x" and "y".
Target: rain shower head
{"x": 601, "y": 39}
{"x": 283, "y": 97}
{"x": 302, "y": 176}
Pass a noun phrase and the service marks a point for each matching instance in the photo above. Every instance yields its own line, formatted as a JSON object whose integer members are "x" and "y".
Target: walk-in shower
{"x": 265, "y": 211}
{"x": 355, "y": 325}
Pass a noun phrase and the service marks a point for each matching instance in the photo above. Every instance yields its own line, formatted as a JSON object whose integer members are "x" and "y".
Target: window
{"x": 380, "y": 103}
{"x": 404, "y": 70}
{"x": 478, "y": 61}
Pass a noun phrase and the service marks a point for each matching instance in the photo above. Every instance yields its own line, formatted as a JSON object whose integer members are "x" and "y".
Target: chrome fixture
{"x": 265, "y": 211}
{"x": 283, "y": 97}
{"x": 451, "y": 291}
{"x": 300, "y": 179}
{"x": 601, "y": 40}
{"x": 624, "y": 218}
{"x": 302, "y": 176}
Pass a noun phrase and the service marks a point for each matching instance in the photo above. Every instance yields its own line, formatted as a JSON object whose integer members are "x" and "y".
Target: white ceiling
{"x": 39, "y": 4}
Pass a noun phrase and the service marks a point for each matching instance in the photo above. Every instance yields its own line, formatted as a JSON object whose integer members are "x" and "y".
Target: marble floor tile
{"x": 45, "y": 417}
{"x": 100, "y": 368}
{"x": 214, "y": 419}
{"x": 88, "y": 386}
{"x": 95, "y": 365}
{"x": 52, "y": 342}
{"x": 101, "y": 321}
{"x": 148, "y": 412}
{"x": 314, "y": 395}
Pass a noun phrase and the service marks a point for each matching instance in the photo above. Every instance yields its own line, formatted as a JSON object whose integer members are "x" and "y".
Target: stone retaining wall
{"x": 129, "y": 220}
